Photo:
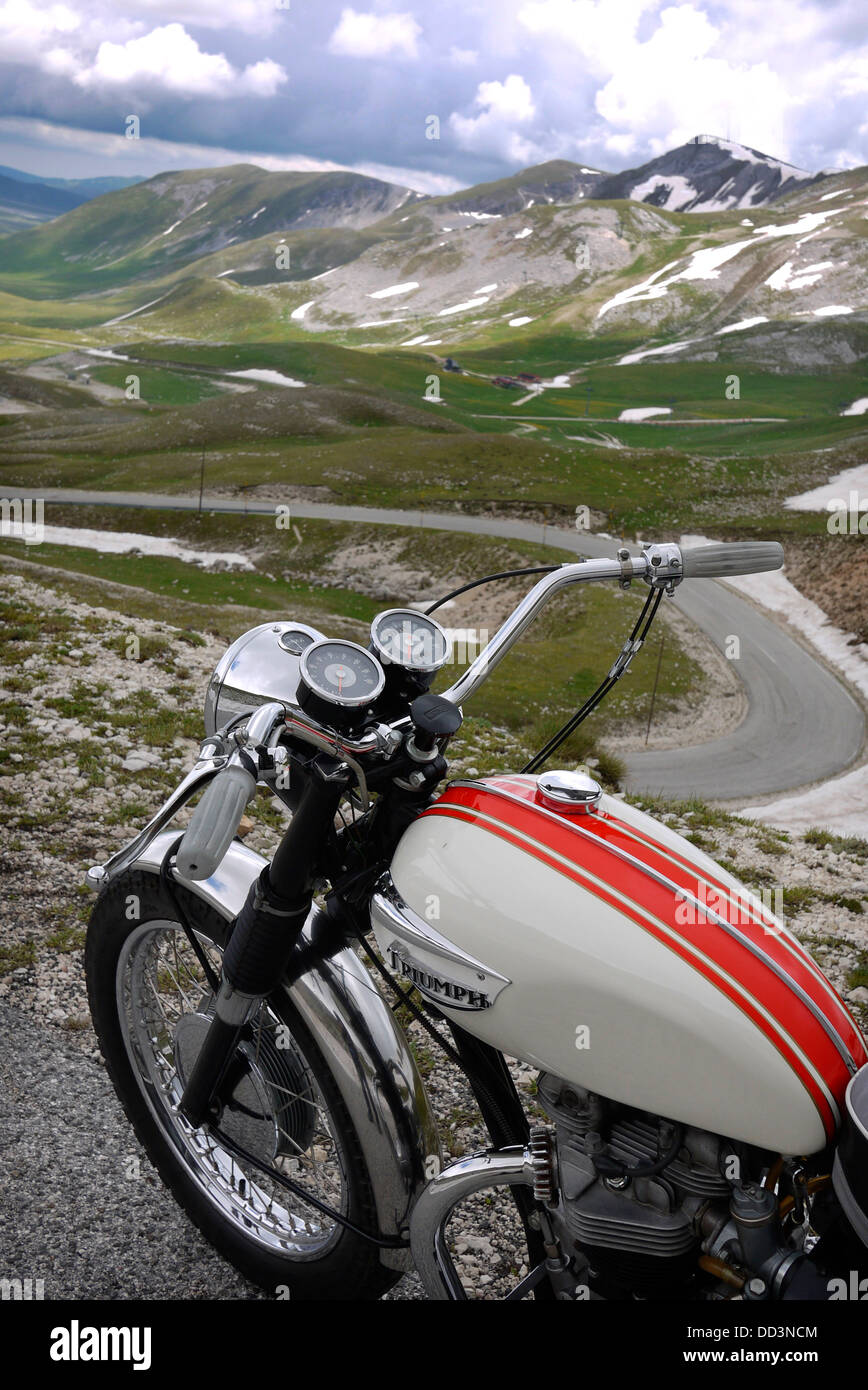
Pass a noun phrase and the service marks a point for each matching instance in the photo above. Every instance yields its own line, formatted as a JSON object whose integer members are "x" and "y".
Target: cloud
{"x": 361, "y": 35}
{"x": 502, "y": 106}
{"x": 96, "y": 153}
{"x": 170, "y": 58}
{"x": 25, "y": 30}
{"x": 664, "y": 72}
{"x": 255, "y": 16}
{"x": 604, "y": 82}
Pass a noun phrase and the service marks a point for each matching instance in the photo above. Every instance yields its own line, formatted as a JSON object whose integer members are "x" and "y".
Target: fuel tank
{"x": 597, "y": 944}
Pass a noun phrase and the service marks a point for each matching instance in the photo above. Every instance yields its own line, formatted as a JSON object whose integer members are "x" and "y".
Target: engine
{"x": 645, "y": 1207}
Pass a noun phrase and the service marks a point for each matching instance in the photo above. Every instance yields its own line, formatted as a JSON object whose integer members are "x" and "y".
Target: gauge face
{"x": 296, "y": 639}
{"x": 342, "y": 673}
{"x": 412, "y": 640}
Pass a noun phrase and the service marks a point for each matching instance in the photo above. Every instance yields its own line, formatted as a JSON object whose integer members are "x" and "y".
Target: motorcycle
{"x": 699, "y": 1128}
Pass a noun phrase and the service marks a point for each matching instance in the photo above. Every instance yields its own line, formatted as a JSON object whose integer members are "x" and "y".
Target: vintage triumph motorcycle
{"x": 699, "y": 1128}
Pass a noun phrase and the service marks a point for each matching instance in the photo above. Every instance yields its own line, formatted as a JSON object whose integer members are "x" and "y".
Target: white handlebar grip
{"x": 214, "y": 822}
{"x": 727, "y": 558}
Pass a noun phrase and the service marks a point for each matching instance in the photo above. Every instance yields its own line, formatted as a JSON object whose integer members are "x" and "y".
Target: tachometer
{"x": 402, "y": 637}
{"x": 341, "y": 673}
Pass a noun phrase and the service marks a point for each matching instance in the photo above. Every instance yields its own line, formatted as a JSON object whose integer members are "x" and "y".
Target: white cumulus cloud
{"x": 502, "y": 107}
{"x": 363, "y": 35}
{"x": 25, "y": 29}
{"x": 170, "y": 58}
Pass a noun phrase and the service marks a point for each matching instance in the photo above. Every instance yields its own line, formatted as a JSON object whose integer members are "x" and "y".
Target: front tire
{"x": 150, "y": 1003}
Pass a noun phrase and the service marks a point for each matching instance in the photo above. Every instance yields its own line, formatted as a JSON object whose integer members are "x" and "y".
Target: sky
{"x": 436, "y": 96}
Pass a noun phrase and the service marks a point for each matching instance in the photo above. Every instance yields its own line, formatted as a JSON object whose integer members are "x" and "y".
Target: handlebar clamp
{"x": 665, "y": 569}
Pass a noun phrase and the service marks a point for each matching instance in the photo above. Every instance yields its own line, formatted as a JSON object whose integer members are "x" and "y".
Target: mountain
{"x": 194, "y": 255}
{"x": 84, "y": 189}
{"x": 163, "y": 223}
{"x": 707, "y": 174}
{"x": 27, "y": 199}
{"x": 557, "y": 181}
{"x": 786, "y": 287}
{"x": 23, "y": 204}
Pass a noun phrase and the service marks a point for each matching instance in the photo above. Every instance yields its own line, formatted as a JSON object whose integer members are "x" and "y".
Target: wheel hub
{"x": 268, "y": 1103}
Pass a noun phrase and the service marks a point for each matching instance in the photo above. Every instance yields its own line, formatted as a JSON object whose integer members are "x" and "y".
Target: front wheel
{"x": 151, "y": 1005}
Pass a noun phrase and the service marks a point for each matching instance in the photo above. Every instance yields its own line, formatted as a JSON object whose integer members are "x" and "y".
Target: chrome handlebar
{"x": 661, "y": 566}
{"x": 527, "y": 610}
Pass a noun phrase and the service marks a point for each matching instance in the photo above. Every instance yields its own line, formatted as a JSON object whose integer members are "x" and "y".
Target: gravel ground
{"x": 80, "y": 721}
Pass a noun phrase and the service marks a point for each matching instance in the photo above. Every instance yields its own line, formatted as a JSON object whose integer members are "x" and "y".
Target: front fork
{"x": 263, "y": 937}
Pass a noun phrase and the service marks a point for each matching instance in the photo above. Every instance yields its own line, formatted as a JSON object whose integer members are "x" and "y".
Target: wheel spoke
{"x": 165, "y": 983}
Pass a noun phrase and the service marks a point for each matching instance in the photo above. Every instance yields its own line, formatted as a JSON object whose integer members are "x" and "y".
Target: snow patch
{"x": 741, "y": 325}
{"x": 459, "y": 308}
{"x": 785, "y": 278}
{"x": 808, "y": 222}
{"x": 858, "y": 407}
{"x": 391, "y": 290}
{"x": 520, "y": 321}
{"x": 486, "y": 289}
{"x": 831, "y": 310}
{"x": 265, "y": 374}
{"x": 644, "y": 412}
{"x": 525, "y": 231}
{"x": 124, "y": 542}
{"x": 841, "y": 805}
{"x": 654, "y": 352}
{"x": 705, "y": 264}
{"x": 681, "y": 190}
{"x": 302, "y": 309}
{"x": 837, "y": 489}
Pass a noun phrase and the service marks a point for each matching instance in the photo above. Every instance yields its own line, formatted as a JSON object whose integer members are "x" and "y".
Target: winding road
{"x": 802, "y": 726}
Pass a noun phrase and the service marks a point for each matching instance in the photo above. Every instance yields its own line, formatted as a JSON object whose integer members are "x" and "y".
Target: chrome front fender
{"x": 365, "y": 1050}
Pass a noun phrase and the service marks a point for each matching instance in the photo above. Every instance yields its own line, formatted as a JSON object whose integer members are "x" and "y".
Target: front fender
{"x": 365, "y": 1050}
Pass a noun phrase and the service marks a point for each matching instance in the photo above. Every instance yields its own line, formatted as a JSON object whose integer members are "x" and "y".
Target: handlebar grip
{"x": 214, "y": 822}
{"x": 727, "y": 558}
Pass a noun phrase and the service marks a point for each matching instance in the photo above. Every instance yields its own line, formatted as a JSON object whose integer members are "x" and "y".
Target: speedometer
{"x": 341, "y": 673}
{"x": 402, "y": 637}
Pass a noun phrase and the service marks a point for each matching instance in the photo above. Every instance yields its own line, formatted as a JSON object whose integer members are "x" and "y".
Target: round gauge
{"x": 402, "y": 637}
{"x": 342, "y": 673}
{"x": 296, "y": 639}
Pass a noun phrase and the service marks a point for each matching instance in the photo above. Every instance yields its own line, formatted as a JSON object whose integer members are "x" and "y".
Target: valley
{"x": 677, "y": 349}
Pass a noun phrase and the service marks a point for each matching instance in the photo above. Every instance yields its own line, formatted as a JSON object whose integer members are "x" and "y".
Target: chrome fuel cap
{"x": 573, "y": 792}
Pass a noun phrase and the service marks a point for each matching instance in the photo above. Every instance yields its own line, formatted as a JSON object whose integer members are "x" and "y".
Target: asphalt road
{"x": 802, "y": 726}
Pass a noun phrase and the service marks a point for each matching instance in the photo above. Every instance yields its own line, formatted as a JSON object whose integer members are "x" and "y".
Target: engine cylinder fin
{"x": 635, "y": 1141}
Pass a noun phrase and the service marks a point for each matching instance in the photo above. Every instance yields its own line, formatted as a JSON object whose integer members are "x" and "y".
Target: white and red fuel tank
{"x": 599, "y": 945}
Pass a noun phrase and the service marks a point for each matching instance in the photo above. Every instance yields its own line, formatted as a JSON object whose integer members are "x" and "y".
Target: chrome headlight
{"x": 261, "y": 665}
